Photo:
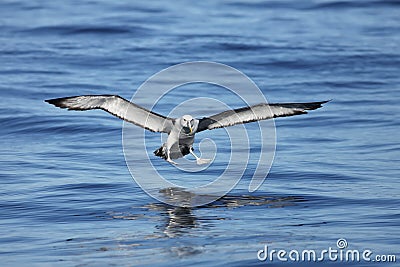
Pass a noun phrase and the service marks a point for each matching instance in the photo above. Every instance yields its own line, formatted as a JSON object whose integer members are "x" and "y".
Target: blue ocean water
{"x": 67, "y": 197}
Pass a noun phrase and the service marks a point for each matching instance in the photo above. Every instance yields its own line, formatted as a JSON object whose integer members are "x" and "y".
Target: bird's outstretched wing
{"x": 255, "y": 113}
{"x": 118, "y": 107}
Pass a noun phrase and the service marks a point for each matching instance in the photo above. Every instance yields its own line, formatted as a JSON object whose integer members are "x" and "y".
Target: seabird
{"x": 181, "y": 131}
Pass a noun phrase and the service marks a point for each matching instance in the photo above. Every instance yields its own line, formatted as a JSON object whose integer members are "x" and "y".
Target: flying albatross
{"x": 181, "y": 131}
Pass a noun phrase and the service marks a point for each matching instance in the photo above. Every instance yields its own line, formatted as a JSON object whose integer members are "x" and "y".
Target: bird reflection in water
{"x": 180, "y": 220}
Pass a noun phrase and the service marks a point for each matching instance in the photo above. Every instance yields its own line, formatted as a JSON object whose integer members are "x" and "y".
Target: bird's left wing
{"x": 258, "y": 112}
{"x": 118, "y": 107}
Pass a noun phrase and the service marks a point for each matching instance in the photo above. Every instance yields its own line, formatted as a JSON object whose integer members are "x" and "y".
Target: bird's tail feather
{"x": 174, "y": 154}
{"x": 160, "y": 152}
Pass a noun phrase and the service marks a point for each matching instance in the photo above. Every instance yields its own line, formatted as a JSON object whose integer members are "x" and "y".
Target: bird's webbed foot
{"x": 201, "y": 161}
{"x": 171, "y": 161}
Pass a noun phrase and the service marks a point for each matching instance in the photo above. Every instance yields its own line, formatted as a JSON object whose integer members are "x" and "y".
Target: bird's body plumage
{"x": 181, "y": 131}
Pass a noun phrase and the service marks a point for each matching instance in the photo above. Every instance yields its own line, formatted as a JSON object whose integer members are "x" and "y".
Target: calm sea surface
{"x": 67, "y": 197}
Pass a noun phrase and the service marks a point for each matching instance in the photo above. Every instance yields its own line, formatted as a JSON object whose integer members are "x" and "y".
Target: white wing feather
{"x": 118, "y": 107}
{"x": 255, "y": 113}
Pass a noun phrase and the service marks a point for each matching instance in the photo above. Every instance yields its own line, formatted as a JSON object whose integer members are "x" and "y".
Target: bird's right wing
{"x": 118, "y": 107}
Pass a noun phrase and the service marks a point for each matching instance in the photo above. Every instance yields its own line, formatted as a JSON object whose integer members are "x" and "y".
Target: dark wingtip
{"x": 50, "y": 101}
{"x": 316, "y": 105}
{"x": 56, "y": 102}
{"x": 324, "y": 102}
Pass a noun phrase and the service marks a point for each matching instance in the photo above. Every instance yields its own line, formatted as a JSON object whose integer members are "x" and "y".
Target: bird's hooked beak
{"x": 190, "y": 127}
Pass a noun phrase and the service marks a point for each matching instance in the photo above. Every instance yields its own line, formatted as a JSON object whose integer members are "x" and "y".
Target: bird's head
{"x": 188, "y": 124}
